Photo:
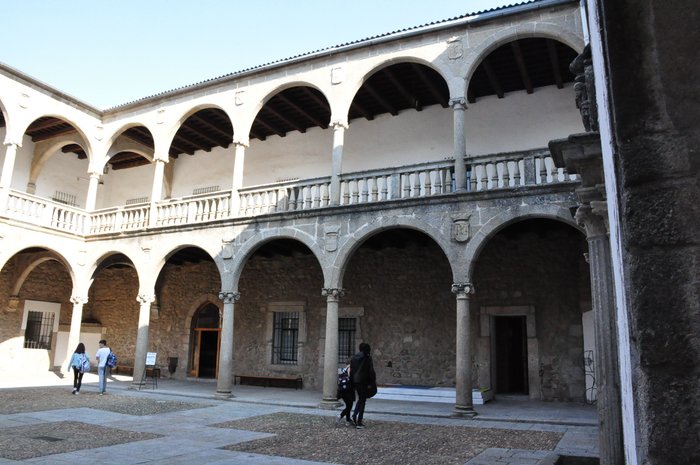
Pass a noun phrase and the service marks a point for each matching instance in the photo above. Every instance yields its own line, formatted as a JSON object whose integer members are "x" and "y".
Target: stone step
{"x": 428, "y": 394}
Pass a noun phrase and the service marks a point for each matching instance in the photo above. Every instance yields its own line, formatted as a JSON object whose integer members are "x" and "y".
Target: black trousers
{"x": 361, "y": 390}
{"x": 77, "y": 379}
{"x": 348, "y": 398}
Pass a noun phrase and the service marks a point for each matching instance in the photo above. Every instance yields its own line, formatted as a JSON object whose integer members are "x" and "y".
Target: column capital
{"x": 463, "y": 288}
{"x": 161, "y": 157}
{"x": 94, "y": 174}
{"x": 245, "y": 143}
{"x": 336, "y": 293}
{"x": 8, "y": 143}
{"x": 229, "y": 297}
{"x": 78, "y": 300}
{"x": 458, "y": 103}
{"x": 145, "y": 298}
{"x": 336, "y": 125}
{"x": 593, "y": 218}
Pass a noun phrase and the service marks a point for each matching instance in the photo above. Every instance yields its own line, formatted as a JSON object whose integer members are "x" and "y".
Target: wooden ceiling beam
{"x": 554, "y": 61}
{"x": 520, "y": 61}
{"x": 442, "y": 100}
{"x": 284, "y": 119}
{"x": 412, "y": 100}
{"x": 60, "y": 132}
{"x": 360, "y": 109}
{"x": 319, "y": 101}
{"x": 189, "y": 143}
{"x": 268, "y": 126}
{"x": 493, "y": 79}
{"x": 76, "y": 149}
{"x": 388, "y": 107}
{"x": 214, "y": 128}
{"x": 50, "y": 122}
{"x": 306, "y": 114}
{"x": 207, "y": 137}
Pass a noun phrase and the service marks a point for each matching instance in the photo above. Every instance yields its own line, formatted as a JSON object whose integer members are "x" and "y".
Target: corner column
{"x": 337, "y": 162}
{"x": 145, "y": 301}
{"x": 156, "y": 191}
{"x": 75, "y": 324}
{"x": 464, "y": 406}
{"x": 237, "y": 181}
{"x": 225, "y": 375}
{"x": 460, "y": 144}
{"x": 6, "y": 177}
{"x": 330, "y": 358}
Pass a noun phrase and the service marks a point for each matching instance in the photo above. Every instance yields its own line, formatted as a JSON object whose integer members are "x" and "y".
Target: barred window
{"x": 285, "y": 337}
{"x": 346, "y": 338}
{"x": 39, "y": 330}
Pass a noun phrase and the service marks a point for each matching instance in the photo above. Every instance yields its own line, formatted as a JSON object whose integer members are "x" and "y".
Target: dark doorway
{"x": 206, "y": 334}
{"x": 511, "y": 354}
{"x": 208, "y": 348}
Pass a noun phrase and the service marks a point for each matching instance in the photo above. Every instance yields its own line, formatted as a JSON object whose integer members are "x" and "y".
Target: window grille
{"x": 346, "y": 338}
{"x": 39, "y": 330}
{"x": 136, "y": 200}
{"x": 65, "y": 198}
{"x": 285, "y": 338}
{"x": 205, "y": 190}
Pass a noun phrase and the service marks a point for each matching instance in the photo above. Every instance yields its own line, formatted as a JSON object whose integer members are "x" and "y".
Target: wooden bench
{"x": 269, "y": 381}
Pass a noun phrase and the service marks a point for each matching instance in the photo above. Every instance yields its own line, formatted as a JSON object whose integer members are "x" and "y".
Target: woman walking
{"x": 80, "y": 364}
{"x": 363, "y": 376}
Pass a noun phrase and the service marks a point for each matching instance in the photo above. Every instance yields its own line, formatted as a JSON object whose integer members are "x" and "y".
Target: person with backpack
{"x": 80, "y": 364}
{"x": 345, "y": 392}
{"x": 102, "y": 356}
{"x": 363, "y": 378}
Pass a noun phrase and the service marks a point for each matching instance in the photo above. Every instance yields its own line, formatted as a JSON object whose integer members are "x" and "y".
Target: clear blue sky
{"x": 111, "y": 52}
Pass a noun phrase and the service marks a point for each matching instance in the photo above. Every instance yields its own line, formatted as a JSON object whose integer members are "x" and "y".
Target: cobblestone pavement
{"x": 49, "y": 425}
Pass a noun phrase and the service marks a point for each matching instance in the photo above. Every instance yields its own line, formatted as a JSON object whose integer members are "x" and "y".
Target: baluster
{"x": 355, "y": 191}
{"x": 565, "y": 175}
{"x": 438, "y": 181}
{"x": 374, "y": 182}
{"x": 416, "y": 184}
{"x": 494, "y": 175}
{"x": 543, "y": 170}
{"x": 516, "y": 173}
{"x": 406, "y": 185}
{"x": 326, "y": 199}
{"x": 292, "y": 198}
{"x": 365, "y": 190}
{"x": 384, "y": 193}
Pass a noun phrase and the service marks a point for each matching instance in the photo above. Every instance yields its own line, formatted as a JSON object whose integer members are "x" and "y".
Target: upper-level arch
{"x": 399, "y": 83}
{"x": 50, "y": 126}
{"x": 201, "y": 127}
{"x": 292, "y": 106}
{"x": 477, "y": 54}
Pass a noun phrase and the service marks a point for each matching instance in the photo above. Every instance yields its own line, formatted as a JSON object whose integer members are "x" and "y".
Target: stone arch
{"x": 82, "y": 136}
{"x": 43, "y": 256}
{"x": 109, "y": 258}
{"x": 251, "y": 245}
{"x": 354, "y": 87}
{"x": 46, "y": 149}
{"x": 190, "y": 111}
{"x": 346, "y": 251}
{"x": 475, "y": 55}
{"x": 502, "y": 220}
{"x": 160, "y": 263}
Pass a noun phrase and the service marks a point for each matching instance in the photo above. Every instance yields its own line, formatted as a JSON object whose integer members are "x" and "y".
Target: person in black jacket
{"x": 362, "y": 375}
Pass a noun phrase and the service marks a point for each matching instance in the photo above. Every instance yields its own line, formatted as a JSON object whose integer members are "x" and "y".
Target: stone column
{"x": 92, "y": 191}
{"x": 237, "y": 182}
{"x": 460, "y": 144}
{"x": 330, "y": 359}
{"x": 593, "y": 217}
{"x": 337, "y": 162}
{"x": 145, "y": 301}
{"x": 6, "y": 177}
{"x": 225, "y": 375}
{"x": 463, "y": 401}
{"x": 156, "y": 192}
{"x": 74, "y": 332}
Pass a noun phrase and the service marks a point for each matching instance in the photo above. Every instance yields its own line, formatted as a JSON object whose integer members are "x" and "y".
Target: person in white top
{"x": 101, "y": 356}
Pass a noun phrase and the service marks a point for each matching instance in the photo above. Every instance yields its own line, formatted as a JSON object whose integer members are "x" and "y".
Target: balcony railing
{"x": 484, "y": 173}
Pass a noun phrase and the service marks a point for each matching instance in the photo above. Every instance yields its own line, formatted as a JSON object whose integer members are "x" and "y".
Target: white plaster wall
{"x": 203, "y": 169}
{"x": 23, "y": 162}
{"x": 521, "y": 121}
{"x": 121, "y": 185}
{"x": 66, "y": 173}
{"x": 296, "y": 155}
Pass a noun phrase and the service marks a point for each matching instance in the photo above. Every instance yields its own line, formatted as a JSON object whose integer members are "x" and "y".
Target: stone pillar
{"x": 145, "y": 301}
{"x": 460, "y": 144}
{"x": 463, "y": 402}
{"x": 74, "y": 332}
{"x": 225, "y": 375}
{"x": 237, "y": 182}
{"x": 337, "y": 162}
{"x": 592, "y": 216}
{"x": 581, "y": 155}
{"x": 92, "y": 191}
{"x": 330, "y": 359}
{"x": 6, "y": 177}
{"x": 156, "y": 192}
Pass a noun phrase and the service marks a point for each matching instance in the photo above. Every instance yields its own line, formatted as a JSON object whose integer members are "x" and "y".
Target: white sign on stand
{"x": 150, "y": 358}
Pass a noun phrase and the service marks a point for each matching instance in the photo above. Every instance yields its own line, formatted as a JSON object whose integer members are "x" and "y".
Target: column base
{"x": 329, "y": 404}
{"x": 136, "y": 385}
{"x": 224, "y": 395}
{"x": 464, "y": 411}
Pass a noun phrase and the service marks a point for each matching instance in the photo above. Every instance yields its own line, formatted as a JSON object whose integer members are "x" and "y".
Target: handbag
{"x": 371, "y": 391}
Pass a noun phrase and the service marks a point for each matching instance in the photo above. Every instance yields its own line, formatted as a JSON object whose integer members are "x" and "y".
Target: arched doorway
{"x": 206, "y": 338}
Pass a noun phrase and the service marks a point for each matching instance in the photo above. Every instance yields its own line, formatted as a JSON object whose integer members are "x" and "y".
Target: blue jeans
{"x": 101, "y": 373}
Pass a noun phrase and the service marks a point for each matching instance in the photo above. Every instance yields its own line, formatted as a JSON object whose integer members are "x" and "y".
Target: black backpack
{"x": 343, "y": 384}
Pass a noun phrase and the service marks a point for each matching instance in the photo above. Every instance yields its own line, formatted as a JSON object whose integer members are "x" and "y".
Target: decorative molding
{"x": 333, "y": 292}
{"x": 229, "y": 297}
{"x": 78, "y": 300}
{"x": 458, "y": 103}
{"x": 463, "y": 288}
{"x": 330, "y": 237}
{"x": 460, "y": 227}
{"x": 145, "y": 298}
